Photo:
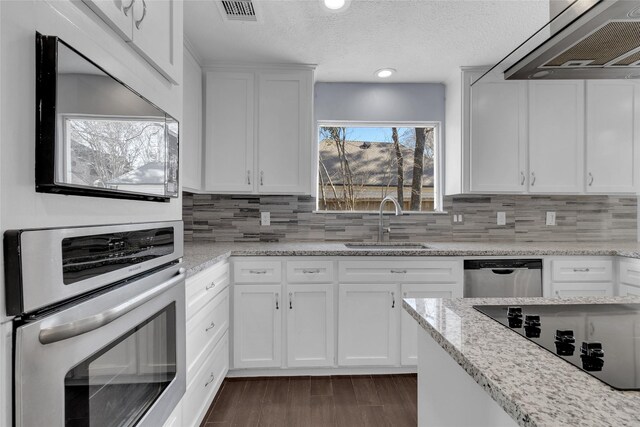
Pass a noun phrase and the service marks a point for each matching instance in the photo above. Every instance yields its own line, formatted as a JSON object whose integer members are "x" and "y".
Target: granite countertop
{"x": 534, "y": 387}
{"x": 200, "y": 255}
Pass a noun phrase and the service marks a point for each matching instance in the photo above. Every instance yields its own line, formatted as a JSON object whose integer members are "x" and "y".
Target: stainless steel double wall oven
{"x": 99, "y": 332}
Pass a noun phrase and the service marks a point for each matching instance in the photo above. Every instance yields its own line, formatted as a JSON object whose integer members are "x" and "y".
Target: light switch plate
{"x": 501, "y": 218}
{"x": 551, "y": 218}
{"x": 265, "y": 218}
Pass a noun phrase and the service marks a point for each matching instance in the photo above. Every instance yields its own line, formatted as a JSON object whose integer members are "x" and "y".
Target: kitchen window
{"x": 360, "y": 164}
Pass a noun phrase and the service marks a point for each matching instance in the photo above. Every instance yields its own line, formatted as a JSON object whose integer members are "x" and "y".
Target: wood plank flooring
{"x": 350, "y": 401}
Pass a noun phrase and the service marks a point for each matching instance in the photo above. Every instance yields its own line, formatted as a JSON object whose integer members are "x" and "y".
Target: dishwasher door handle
{"x": 503, "y": 271}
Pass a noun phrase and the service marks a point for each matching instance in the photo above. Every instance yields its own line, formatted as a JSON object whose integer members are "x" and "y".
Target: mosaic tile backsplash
{"x": 226, "y": 218}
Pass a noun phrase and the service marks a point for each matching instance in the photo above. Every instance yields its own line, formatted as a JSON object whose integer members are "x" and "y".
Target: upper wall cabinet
{"x": 498, "y": 139}
{"x": 258, "y": 131}
{"x": 550, "y": 137}
{"x": 556, "y": 136}
{"x": 613, "y": 124}
{"x": 152, "y": 27}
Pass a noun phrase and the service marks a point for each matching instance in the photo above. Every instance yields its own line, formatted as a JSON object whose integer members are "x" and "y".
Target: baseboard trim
{"x": 320, "y": 372}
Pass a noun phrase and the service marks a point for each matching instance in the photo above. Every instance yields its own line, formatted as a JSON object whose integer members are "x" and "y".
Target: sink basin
{"x": 387, "y": 245}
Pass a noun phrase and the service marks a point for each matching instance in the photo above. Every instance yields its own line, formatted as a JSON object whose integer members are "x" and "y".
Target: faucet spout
{"x": 380, "y": 222}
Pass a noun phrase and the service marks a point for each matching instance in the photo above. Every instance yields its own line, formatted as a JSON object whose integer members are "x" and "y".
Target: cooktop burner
{"x": 601, "y": 339}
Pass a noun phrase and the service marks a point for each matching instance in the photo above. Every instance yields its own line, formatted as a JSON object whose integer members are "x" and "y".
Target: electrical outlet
{"x": 551, "y": 218}
{"x": 265, "y": 218}
{"x": 457, "y": 218}
{"x": 501, "y": 218}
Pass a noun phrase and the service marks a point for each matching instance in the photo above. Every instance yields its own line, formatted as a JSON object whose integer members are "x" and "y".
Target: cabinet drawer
{"x": 310, "y": 272}
{"x": 630, "y": 272}
{"x": 581, "y": 270}
{"x": 205, "y": 329}
{"x": 407, "y": 271}
{"x": 628, "y": 290}
{"x": 257, "y": 271}
{"x": 202, "y": 287}
{"x": 205, "y": 383}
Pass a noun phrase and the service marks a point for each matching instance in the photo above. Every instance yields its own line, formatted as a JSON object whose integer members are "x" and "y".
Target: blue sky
{"x": 371, "y": 134}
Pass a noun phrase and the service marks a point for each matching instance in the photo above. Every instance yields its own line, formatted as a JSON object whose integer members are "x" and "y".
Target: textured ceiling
{"x": 426, "y": 41}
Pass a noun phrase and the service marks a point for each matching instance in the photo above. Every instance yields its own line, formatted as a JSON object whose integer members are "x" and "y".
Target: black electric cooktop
{"x": 601, "y": 339}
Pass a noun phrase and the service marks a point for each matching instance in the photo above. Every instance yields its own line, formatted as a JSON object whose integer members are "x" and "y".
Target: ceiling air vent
{"x": 238, "y": 10}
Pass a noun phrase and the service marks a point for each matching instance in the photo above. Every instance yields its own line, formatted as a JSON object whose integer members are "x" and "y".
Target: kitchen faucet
{"x": 398, "y": 212}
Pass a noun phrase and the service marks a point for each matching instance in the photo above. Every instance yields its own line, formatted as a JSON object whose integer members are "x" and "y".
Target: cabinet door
{"x": 284, "y": 132}
{"x": 257, "y": 323}
{"x": 191, "y": 138}
{"x": 157, "y": 35}
{"x": 113, "y": 13}
{"x": 229, "y": 132}
{"x": 612, "y": 136}
{"x": 556, "y": 136}
{"x": 498, "y": 136}
{"x": 628, "y": 290}
{"x": 310, "y": 325}
{"x": 568, "y": 290}
{"x": 368, "y": 326}
{"x": 409, "y": 326}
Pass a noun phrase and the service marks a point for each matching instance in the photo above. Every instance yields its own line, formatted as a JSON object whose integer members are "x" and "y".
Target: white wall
{"x": 384, "y": 102}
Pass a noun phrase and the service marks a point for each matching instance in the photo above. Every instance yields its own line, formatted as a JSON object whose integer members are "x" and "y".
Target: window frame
{"x": 437, "y": 166}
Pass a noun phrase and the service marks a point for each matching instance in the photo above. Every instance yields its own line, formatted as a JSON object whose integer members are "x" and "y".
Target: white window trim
{"x": 438, "y": 166}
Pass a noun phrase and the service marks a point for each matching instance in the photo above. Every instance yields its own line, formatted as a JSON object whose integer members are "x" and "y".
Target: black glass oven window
{"x": 90, "y": 256}
{"x": 120, "y": 382}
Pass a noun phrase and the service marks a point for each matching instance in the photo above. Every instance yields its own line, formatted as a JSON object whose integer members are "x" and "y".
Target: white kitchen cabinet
{"x": 613, "y": 124}
{"x": 310, "y": 325}
{"x": 257, "y": 326}
{"x": 368, "y": 328}
{"x": 556, "y": 136}
{"x": 629, "y": 290}
{"x": 580, "y": 276}
{"x": 153, "y": 28}
{"x": 284, "y": 132}
{"x": 409, "y": 326}
{"x": 259, "y": 131}
{"x": 116, "y": 13}
{"x": 229, "y": 131}
{"x": 191, "y": 126}
{"x": 498, "y": 137}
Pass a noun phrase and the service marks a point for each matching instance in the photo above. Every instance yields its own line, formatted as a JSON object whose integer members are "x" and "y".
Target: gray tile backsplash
{"x": 231, "y": 218}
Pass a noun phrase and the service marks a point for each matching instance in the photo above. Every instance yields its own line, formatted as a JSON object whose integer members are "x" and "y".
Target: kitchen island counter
{"x": 533, "y": 386}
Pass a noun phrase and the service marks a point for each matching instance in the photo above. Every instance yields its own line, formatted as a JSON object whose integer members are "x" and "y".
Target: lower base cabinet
{"x": 310, "y": 325}
{"x": 257, "y": 326}
{"x": 205, "y": 384}
{"x": 368, "y": 325}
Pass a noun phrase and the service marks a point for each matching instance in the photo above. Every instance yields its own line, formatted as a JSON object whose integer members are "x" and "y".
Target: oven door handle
{"x": 78, "y": 327}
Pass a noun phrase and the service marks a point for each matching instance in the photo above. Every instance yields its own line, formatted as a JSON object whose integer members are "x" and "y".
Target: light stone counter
{"x": 532, "y": 385}
{"x": 200, "y": 255}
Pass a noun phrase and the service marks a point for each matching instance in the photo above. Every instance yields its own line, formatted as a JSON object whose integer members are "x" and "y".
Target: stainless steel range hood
{"x": 589, "y": 39}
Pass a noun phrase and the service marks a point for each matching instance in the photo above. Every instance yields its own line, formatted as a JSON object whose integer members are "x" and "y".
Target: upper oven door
{"x": 117, "y": 359}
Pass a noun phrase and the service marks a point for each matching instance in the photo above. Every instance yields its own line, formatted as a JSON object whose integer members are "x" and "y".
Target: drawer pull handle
{"x": 533, "y": 179}
{"x": 210, "y": 327}
{"x": 393, "y": 300}
{"x": 126, "y": 9}
{"x": 210, "y": 286}
{"x": 257, "y": 271}
{"x": 211, "y": 378}
{"x": 399, "y": 271}
{"x": 581, "y": 270}
{"x": 522, "y": 178}
{"x": 144, "y": 14}
{"x": 290, "y": 301}
{"x": 277, "y": 301}
{"x": 311, "y": 271}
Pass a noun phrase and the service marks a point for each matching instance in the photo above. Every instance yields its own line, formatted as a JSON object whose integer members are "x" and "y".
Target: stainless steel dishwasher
{"x": 488, "y": 278}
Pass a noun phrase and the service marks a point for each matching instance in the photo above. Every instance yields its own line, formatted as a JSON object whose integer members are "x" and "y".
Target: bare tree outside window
{"x": 359, "y": 166}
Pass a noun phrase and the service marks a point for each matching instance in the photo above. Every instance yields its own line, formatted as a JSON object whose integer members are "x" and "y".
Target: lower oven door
{"x": 117, "y": 359}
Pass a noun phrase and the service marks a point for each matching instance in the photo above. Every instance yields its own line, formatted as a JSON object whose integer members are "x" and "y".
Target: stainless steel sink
{"x": 387, "y": 245}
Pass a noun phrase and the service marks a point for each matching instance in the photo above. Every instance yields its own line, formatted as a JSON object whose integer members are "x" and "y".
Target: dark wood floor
{"x": 363, "y": 400}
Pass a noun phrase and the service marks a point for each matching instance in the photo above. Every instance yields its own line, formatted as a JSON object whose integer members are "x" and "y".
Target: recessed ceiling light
{"x": 385, "y": 73}
{"x": 335, "y": 4}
